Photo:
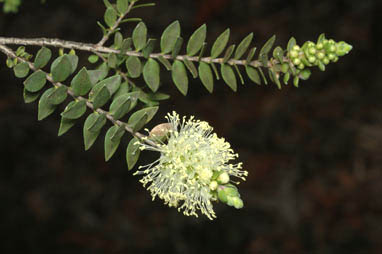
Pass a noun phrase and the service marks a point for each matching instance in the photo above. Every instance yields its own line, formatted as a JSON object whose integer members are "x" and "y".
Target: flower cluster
{"x": 193, "y": 168}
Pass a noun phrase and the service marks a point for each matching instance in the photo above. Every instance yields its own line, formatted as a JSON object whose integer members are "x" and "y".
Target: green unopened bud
{"x": 235, "y": 202}
{"x": 312, "y": 50}
{"x": 296, "y": 61}
{"x": 296, "y": 47}
{"x": 321, "y": 66}
{"x": 305, "y": 74}
{"x": 223, "y": 178}
{"x": 293, "y": 53}
{"x": 343, "y": 48}
{"x": 214, "y": 185}
{"x": 72, "y": 52}
{"x": 331, "y": 56}
{"x": 10, "y": 63}
{"x": 286, "y": 78}
{"x": 326, "y": 60}
{"x": 284, "y": 67}
{"x": 319, "y": 46}
{"x": 320, "y": 55}
{"x": 296, "y": 80}
{"x": 311, "y": 59}
{"x": 61, "y": 52}
{"x": 301, "y": 66}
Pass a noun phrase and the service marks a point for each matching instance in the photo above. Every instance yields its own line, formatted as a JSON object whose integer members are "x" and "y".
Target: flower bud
{"x": 305, "y": 74}
{"x": 223, "y": 178}
{"x": 214, "y": 185}
{"x": 343, "y": 48}
{"x": 296, "y": 61}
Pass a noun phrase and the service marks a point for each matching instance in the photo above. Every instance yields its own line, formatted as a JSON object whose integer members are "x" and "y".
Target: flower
{"x": 192, "y": 169}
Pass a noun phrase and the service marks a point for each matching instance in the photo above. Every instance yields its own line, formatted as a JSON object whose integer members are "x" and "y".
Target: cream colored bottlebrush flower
{"x": 193, "y": 168}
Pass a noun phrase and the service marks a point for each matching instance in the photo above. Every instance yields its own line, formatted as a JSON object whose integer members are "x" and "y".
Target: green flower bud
{"x": 312, "y": 50}
{"x": 296, "y": 48}
{"x": 214, "y": 185}
{"x": 331, "y": 56}
{"x": 296, "y": 81}
{"x": 305, "y": 74}
{"x": 293, "y": 53}
{"x": 320, "y": 55}
{"x": 326, "y": 60}
{"x": 296, "y": 61}
{"x": 319, "y": 46}
{"x": 311, "y": 59}
{"x": 286, "y": 78}
{"x": 321, "y": 66}
{"x": 343, "y": 48}
{"x": 235, "y": 202}
{"x": 284, "y": 67}
{"x": 301, "y": 66}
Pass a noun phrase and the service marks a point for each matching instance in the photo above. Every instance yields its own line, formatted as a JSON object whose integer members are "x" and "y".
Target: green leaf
{"x": 228, "y": 53}
{"x": 251, "y": 54}
{"x": 177, "y": 47}
{"x": 169, "y": 37}
{"x": 253, "y": 74}
{"x": 42, "y": 58}
{"x": 166, "y": 63}
{"x": 132, "y": 153}
{"x": 206, "y": 76}
{"x": 74, "y": 61}
{"x": 138, "y": 115}
{"x": 159, "y": 96}
{"x": 151, "y": 74}
{"x": 110, "y": 16}
{"x": 191, "y": 67}
{"x": 58, "y": 95}
{"x": 229, "y": 76}
{"x": 196, "y": 40}
{"x": 111, "y": 145}
{"x": 30, "y": 97}
{"x": 95, "y": 122}
{"x": 263, "y": 55}
{"x": 122, "y": 6}
{"x": 123, "y": 89}
{"x": 65, "y": 125}
{"x": 92, "y": 128}
{"x": 100, "y": 96}
{"x": 44, "y": 107}
{"x": 118, "y": 39}
{"x": 134, "y": 66}
{"x": 93, "y": 59}
{"x": 99, "y": 74}
{"x": 278, "y": 54}
{"x": 61, "y": 68}
{"x": 107, "y": 4}
{"x": 81, "y": 83}
{"x": 121, "y": 105}
{"x": 220, "y": 44}
{"x": 74, "y": 110}
{"x": 243, "y": 46}
{"x": 112, "y": 83}
{"x": 291, "y": 43}
{"x": 149, "y": 48}
{"x": 21, "y": 70}
{"x": 35, "y": 82}
{"x": 179, "y": 76}
{"x": 112, "y": 60}
{"x": 140, "y": 36}
{"x": 273, "y": 75}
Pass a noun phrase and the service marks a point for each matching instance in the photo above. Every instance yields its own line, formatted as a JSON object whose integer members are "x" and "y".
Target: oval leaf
{"x": 169, "y": 37}
{"x": 44, "y": 107}
{"x": 121, "y": 106}
{"x": 58, "y": 95}
{"x": 30, "y": 97}
{"x": 140, "y": 36}
{"x": 74, "y": 110}
{"x": 206, "y": 76}
{"x": 243, "y": 46}
{"x": 229, "y": 76}
{"x": 42, "y": 58}
{"x": 253, "y": 74}
{"x": 110, "y": 16}
{"x": 65, "y": 125}
{"x": 196, "y": 40}
{"x": 220, "y": 44}
{"x": 35, "y": 82}
{"x": 21, "y": 70}
{"x": 134, "y": 66}
{"x": 179, "y": 76}
{"x": 263, "y": 55}
{"x": 81, "y": 83}
{"x": 61, "y": 68}
{"x": 138, "y": 115}
{"x": 151, "y": 74}
{"x": 132, "y": 153}
{"x": 110, "y": 145}
{"x": 122, "y": 6}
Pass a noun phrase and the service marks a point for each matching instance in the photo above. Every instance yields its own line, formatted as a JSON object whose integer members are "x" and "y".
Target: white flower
{"x": 192, "y": 158}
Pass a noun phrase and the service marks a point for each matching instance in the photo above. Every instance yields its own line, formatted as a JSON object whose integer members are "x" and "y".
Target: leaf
{"x": 58, "y": 95}
{"x": 166, "y": 63}
{"x": 93, "y": 59}
{"x": 151, "y": 74}
{"x": 122, "y": 6}
{"x": 206, "y": 76}
{"x": 278, "y": 54}
{"x": 91, "y": 136}
{"x": 253, "y": 74}
{"x": 44, "y": 107}
{"x": 191, "y": 67}
{"x": 112, "y": 83}
{"x": 35, "y": 82}
{"x": 291, "y": 43}
{"x": 229, "y": 76}
{"x": 220, "y": 44}
{"x": 61, "y": 68}
{"x": 111, "y": 145}
{"x": 74, "y": 110}
{"x": 196, "y": 40}
{"x": 42, "y": 58}
{"x": 159, "y": 96}
{"x": 169, "y": 37}
{"x": 263, "y": 55}
{"x": 112, "y": 60}
{"x": 118, "y": 39}
{"x": 132, "y": 153}
{"x": 251, "y": 54}
{"x": 110, "y": 16}
{"x": 30, "y": 97}
{"x": 65, "y": 125}
{"x": 140, "y": 36}
{"x": 123, "y": 89}
{"x": 101, "y": 96}
{"x": 121, "y": 105}
{"x": 243, "y": 46}
{"x": 179, "y": 76}
{"x": 21, "y": 70}
{"x": 99, "y": 74}
{"x": 273, "y": 75}
{"x": 81, "y": 83}
{"x": 74, "y": 61}
{"x": 149, "y": 48}
{"x": 228, "y": 53}
{"x": 138, "y": 115}
{"x": 177, "y": 47}
{"x": 134, "y": 66}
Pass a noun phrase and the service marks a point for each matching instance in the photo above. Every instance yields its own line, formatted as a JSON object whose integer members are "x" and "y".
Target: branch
{"x": 7, "y": 51}
{"x": 95, "y": 48}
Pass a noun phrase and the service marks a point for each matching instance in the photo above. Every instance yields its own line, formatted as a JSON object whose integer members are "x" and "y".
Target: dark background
{"x": 313, "y": 153}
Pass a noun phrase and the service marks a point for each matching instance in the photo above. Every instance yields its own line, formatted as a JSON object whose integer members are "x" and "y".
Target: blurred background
{"x": 313, "y": 153}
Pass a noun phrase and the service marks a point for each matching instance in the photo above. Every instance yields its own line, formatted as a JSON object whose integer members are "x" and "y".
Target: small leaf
{"x": 42, "y": 58}
{"x": 253, "y": 74}
{"x": 169, "y": 37}
{"x": 121, "y": 106}
{"x": 250, "y": 56}
{"x": 191, "y": 67}
{"x": 112, "y": 83}
{"x": 111, "y": 145}
{"x": 126, "y": 45}
{"x": 99, "y": 74}
{"x": 196, "y": 40}
{"x": 89, "y": 135}
{"x": 81, "y": 83}
{"x": 61, "y": 68}
{"x": 220, "y": 44}
{"x": 228, "y": 53}
{"x": 151, "y": 72}
{"x": 229, "y": 76}
{"x": 263, "y": 55}
{"x": 291, "y": 43}
{"x": 179, "y": 76}
{"x": 65, "y": 125}
{"x": 177, "y": 47}
{"x": 74, "y": 110}
{"x": 166, "y": 63}
{"x": 206, "y": 76}
{"x": 100, "y": 97}
{"x": 274, "y": 77}
{"x": 132, "y": 153}
{"x": 243, "y": 46}
{"x": 21, "y": 70}
{"x": 159, "y": 96}
{"x": 278, "y": 54}
{"x": 122, "y": 6}
{"x": 30, "y": 97}
{"x": 118, "y": 39}
{"x": 74, "y": 61}
{"x": 149, "y": 48}
{"x": 140, "y": 123}
{"x": 110, "y": 16}
{"x": 93, "y": 59}
{"x": 138, "y": 115}
{"x": 58, "y": 95}
{"x": 134, "y": 66}
{"x": 123, "y": 89}
{"x": 35, "y": 82}
{"x": 140, "y": 36}
{"x": 44, "y": 107}
{"x": 112, "y": 60}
